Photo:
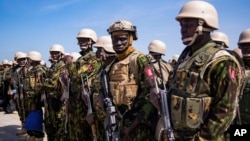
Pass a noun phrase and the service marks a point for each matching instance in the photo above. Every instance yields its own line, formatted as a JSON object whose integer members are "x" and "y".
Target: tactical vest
{"x": 32, "y": 81}
{"x": 244, "y": 104}
{"x": 124, "y": 80}
{"x": 190, "y": 96}
{"x": 166, "y": 70}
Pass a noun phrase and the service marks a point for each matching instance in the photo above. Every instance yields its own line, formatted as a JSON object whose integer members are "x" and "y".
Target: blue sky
{"x": 28, "y": 25}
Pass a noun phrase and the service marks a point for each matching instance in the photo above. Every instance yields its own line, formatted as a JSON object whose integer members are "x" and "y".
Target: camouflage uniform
{"x": 54, "y": 111}
{"x": 203, "y": 92}
{"x": 244, "y": 98}
{"x": 244, "y": 105}
{"x": 85, "y": 66}
{"x": 1, "y": 82}
{"x": 33, "y": 88}
{"x": 7, "y": 88}
{"x": 130, "y": 94}
{"x": 19, "y": 73}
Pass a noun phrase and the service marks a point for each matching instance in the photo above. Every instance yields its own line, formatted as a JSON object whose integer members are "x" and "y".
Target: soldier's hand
{"x": 90, "y": 119}
{"x": 154, "y": 99}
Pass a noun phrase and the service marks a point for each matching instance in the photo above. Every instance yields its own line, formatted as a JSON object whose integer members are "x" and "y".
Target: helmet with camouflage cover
{"x": 221, "y": 38}
{"x": 123, "y": 25}
{"x": 105, "y": 42}
{"x": 157, "y": 46}
{"x": 57, "y": 47}
{"x": 87, "y": 33}
{"x": 34, "y": 56}
{"x": 205, "y": 13}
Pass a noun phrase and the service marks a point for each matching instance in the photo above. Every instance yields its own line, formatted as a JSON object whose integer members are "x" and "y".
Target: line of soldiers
{"x": 118, "y": 93}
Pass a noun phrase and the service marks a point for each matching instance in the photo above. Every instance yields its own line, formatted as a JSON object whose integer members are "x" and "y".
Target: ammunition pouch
{"x": 189, "y": 112}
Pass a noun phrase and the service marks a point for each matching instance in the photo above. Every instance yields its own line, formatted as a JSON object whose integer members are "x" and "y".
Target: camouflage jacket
{"x": 52, "y": 83}
{"x": 244, "y": 104}
{"x": 85, "y": 66}
{"x": 34, "y": 79}
{"x": 203, "y": 92}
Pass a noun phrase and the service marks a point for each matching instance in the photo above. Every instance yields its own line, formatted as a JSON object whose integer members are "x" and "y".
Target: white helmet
{"x": 238, "y": 51}
{"x": 42, "y": 62}
{"x": 200, "y": 10}
{"x": 16, "y": 54}
{"x": 220, "y": 37}
{"x": 175, "y": 57}
{"x": 244, "y": 36}
{"x": 204, "y": 12}
{"x": 10, "y": 63}
{"x": 5, "y": 62}
{"x": 105, "y": 42}
{"x": 34, "y": 55}
{"x": 87, "y": 33}
{"x": 75, "y": 56}
{"x": 57, "y": 47}
{"x": 157, "y": 46}
{"x": 20, "y": 55}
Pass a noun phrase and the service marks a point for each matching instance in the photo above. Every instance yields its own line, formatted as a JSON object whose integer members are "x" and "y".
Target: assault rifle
{"x": 21, "y": 96}
{"x": 110, "y": 125}
{"x": 164, "y": 130}
{"x": 89, "y": 104}
{"x": 65, "y": 81}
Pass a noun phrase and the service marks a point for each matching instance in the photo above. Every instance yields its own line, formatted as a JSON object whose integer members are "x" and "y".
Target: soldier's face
{"x": 120, "y": 43}
{"x": 245, "y": 49}
{"x": 84, "y": 43}
{"x": 21, "y": 61}
{"x": 55, "y": 55}
{"x": 100, "y": 53}
{"x": 188, "y": 27}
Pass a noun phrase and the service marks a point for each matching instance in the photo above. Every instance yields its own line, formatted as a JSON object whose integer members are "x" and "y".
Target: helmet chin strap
{"x": 199, "y": 30}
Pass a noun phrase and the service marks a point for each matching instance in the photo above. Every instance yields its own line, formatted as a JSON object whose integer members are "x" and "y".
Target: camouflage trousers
{"x": 79, "y": 129}
{"x": 55, "y": 125}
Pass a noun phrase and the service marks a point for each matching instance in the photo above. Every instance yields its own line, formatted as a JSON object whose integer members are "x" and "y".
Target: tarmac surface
{"x": 9, "y": 125}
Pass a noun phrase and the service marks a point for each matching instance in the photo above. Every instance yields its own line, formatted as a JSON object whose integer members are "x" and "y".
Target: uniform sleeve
{"x": 147, "y": 109}
{"x": 223, "y": 81}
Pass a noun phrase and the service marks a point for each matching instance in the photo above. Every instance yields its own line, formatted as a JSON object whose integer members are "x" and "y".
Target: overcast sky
{"x": 28, "y": 25}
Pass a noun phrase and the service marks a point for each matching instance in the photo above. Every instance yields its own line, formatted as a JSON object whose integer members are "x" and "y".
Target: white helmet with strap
{"x": 204, "y": 12}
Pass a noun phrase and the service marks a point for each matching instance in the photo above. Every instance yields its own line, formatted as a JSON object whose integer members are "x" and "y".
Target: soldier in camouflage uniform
{"x": 156, "y": 49}
{"x": 203, "y": 90}
{"x": 19, "y": 72}
{"x": 33, "y": 88}
{"x": 8, "y": 88}
{"x": 81, "y": 74}
{"x": 54, "y": 102}
{"x": 220, "y": 39}
{"x": 130, "y": 93}
{"x": 106, "y": 55}
{"x": 244, "y": 45}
